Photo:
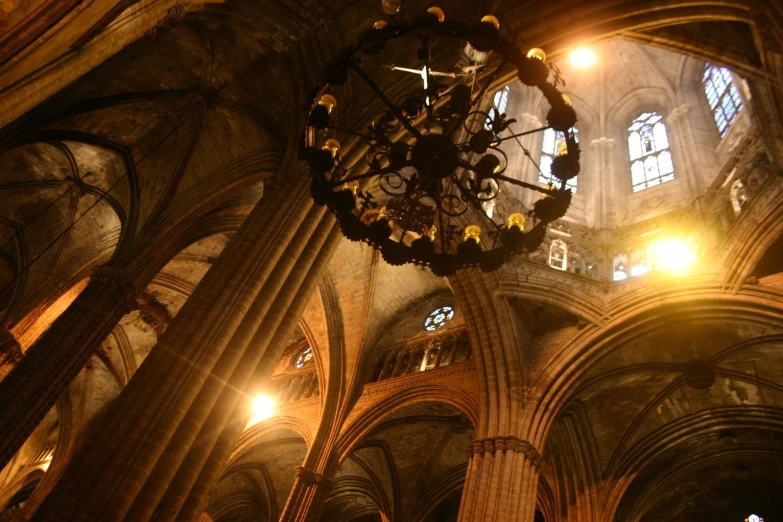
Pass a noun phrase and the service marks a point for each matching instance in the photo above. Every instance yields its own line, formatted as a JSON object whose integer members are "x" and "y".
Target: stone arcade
{"x": 186, "y": 336}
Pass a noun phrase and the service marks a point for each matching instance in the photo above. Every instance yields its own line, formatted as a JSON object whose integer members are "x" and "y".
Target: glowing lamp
{"x": 353, "y": 186}
{"x": 537, "y": 53}
{"x": 491, "y": 20}
{"x": 582, "y": 58}
{"x": 472, "y": 232}
{"x": 262, "y": 408}
{"x": 437, "y": 12}
{"x": 380, "y": 24}
{"x": 431, "y": 232}
{"x": 332, "y": 146}
{"x": 328, "y": 101}
{"x": 516, "y": 221}
{"x": 670, "y": 254}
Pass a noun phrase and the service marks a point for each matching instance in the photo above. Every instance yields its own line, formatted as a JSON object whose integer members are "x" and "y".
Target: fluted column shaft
{"x": 49, "y": 366}
{"x": 163, "y": 428}
{"x": 501, "y": 481}
{"x": 305, "y": 501}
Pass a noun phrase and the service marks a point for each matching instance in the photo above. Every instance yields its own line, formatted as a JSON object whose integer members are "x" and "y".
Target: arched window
{"x": 558, "y": 255}
{"x": 722, "y": 95}
{"x": 554, "y": 144}
{"x": 499, "y": 105}
{"x": 648, "y": 146}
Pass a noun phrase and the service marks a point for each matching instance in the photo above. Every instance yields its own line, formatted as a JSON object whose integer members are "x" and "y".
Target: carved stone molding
{"x": 10, "y": 351}
{"x": 404, "y": 381}
{"x": 120, "y": 282}
{"x": 311, "y": 478}
{"x": 505, "y": 444}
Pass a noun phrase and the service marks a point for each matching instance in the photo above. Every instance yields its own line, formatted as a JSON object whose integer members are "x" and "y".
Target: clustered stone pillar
{"x": 164, "y": 440}
{"x": 308, "y": 493}
{"x": 501, "y": 481}
{"x": 49, "y": 366}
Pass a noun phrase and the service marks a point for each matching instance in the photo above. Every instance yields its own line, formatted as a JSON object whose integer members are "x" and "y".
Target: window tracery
{"x": 553, "y": 145}
{"x": 419, "y": 356}
{"x": 648, "y": 148}
{"x": 558, "y": 255}
{"x": 304, "y": 357}
{"x": 438, "y": 318}
{"x": 499, "y": 106}
{"x": 722, "y": 95}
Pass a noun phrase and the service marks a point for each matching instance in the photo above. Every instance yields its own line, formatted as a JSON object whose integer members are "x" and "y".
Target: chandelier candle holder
{"x": 416, "y": 179}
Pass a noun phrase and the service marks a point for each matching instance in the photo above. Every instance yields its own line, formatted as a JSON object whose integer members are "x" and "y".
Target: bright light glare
{"x": 263, "y": 407}
{"x": 670, "y": 254}
{"x": 582, "y": 58}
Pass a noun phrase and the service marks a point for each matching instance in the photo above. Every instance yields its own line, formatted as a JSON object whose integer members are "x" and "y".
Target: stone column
{"x": 30, "y": 390}
{"x": 685, "y": 156}
{"x": 305, "y": 501}
{"x": 165, "y": 429}
{"x": 501, "y": 482}
{"x": 604, "y": 205}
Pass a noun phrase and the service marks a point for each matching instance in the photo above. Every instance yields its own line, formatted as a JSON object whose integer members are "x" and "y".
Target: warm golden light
{"x": 670, "y": 254}
{"x": 582, "y": 58}
{"x": 353, "y": 186}
{"x": 567, "y": 99}
{"x": 489, "y": 19}
{"x": 380, "y": 24}
{"x": 437, "y": 12}
{"x": 332, "y": 146}
{"x": 262, "y": 408}
{"x": 328, "y": 101}
{"x": 537, "y": 53}
{"x": 431, "y": 232}
{"x": 516, "y": 220}
{"x": 473, "y": 232}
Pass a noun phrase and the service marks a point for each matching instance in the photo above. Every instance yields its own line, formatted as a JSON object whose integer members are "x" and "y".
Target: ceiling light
{"x": 670, "y": 254}
{"x": 262, "y": 407}
{"x": 582, "y": 58}
{"x": 431, "y": 162}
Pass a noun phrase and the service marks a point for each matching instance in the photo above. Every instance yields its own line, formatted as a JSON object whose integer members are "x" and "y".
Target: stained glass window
{"x": 648, "y": 147}
{"x": 722, "y": 95}
{"x": 438, "y": 318}
{"x": 304, "y": 357}
{"x": 499, "y": 105}
{"x": 554, "y": 144}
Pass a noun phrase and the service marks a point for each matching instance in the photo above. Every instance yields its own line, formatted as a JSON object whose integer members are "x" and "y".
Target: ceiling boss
{"x": 411, "y": 169}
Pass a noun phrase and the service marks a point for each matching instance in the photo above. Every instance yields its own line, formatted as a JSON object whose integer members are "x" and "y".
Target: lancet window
{"x": 648, "y": 147}
{"x": 553, "y": 145}
{"x": 722, "y": 95}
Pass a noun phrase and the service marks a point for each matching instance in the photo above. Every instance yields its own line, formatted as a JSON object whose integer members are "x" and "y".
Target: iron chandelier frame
{"x": 416, "y": 181}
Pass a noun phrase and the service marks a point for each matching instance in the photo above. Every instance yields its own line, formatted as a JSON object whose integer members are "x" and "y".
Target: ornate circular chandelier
{"x": 416, "y": 178}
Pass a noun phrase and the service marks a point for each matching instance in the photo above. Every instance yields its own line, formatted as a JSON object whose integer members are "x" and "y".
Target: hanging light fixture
{"x": 411, "y": 171}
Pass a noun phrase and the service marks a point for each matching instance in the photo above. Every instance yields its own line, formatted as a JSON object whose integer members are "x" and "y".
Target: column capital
{"x": 505, "y": 444}
{"x": 678, "y": 111}
{"x": 311, "y": 478}
{"x": 119, "y": 281}
{"x": 530, "y": 119}
{"x": 603, "y": 141}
